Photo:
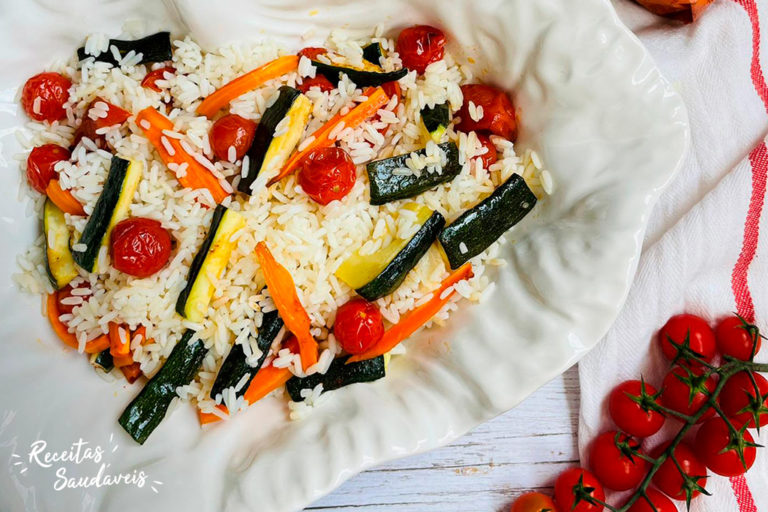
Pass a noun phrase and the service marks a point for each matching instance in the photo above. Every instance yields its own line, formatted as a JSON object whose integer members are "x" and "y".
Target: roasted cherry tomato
{"x": 392, "y": 89}
{"x": 44, "y": 96}
{"x": 420, "y": 46}
{"x": 686, "y": 390}
{"x": 740, "y": 402}
{"x": 327, "y": 174}
{"x": 232, "y": 131}
{"x": 491, "y": 156}
{"x": 722, "y": 451}
{"x": 668, "y": 478}
{"x": 90, "y": 124}
{"x": 358, "y": 326}
{"x": 614, "y": 461}
{"x": 533, "y": 502}
{"x": 318, "y": 81}
{"x": 695, "y": 330}
{"x": 498, "y": 116}
{"x": 40, "y": 165}
{"x": 629, "y": 405}
{"x": 660, "y": 503}
{"x": 570, "y": 486}
{"x": 140, "y": 246}
{"x": 312, "y": 52}
{"x": 737, "y": 338}
{"x": 65, "y": 293}
{"x": 151, "y": 78}
{"x": 292, "y": 344}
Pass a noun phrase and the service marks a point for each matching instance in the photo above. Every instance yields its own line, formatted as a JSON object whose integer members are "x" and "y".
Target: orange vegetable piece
{"x": 92, "y": 347}
{"x": 63, "y": 199}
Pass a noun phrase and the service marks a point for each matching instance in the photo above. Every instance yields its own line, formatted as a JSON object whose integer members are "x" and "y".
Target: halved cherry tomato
{"x": 41, "y": 162}
{"x": 574, "y": 488}
{"x": 740, "y": 402}
{"x": 420, "y": 46}
{"x": 533, "y": 502}
{"x": 722, "y": 451}
{"x": 630, "y": 407}
{"x": 312, "y": 52}
{"x": 232, "y": 130}
{"x": 614, "y": 461}
{"x": 140, "y": 247}
{"x": 52, "y": 91}
{"x": 690, "y": 329}
{"x": 660, "y": 503}
{"x": 686, "y": 390}
{"x": 65, "y": 293}
{"x": 668, "y": 478}
{"x": 327, "y": 174}
{"x": 89, "y": 126}
{"x": 737, "y": 338}
{"x": 491, "y": 156}
{"x": 498, "y": 111}
{"x": 318, "y": 81}
{"x": 151, "y": 78}
{"x": 359, "y": 326}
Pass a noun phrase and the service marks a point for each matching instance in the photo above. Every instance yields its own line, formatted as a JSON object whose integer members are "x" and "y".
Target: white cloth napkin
{"x": 703, "y": 252}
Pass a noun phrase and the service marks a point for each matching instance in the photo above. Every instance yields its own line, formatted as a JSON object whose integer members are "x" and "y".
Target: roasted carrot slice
{"x": 92, "y": 347}
{"x": 63, "y": 199}
{"x": 248, "y": 82}
{"x": 117, "y": 346}
{"x": 131, "y": 372}
{"x": 283, "y": 291}
{"x": 376, "y": 99}
{"x": 415, "y": 319}
{"x": 197, "y": 175}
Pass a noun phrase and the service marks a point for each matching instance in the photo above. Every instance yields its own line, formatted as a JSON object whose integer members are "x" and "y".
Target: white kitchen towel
{"x": 703, "y": 252}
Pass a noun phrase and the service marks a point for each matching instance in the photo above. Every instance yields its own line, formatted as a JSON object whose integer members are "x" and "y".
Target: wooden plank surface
{"x": 483, "y": 471}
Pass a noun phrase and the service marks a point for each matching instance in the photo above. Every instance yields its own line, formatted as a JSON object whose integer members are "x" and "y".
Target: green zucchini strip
{"x": 360, "y": 77}
{"x": 269, "y": 151}
{"x": 111, "y": 207}
{"x": 476, "y": 229}
{"x": 235, "y": 365}
{"x": 58, "y": 258}
{"x": 153, "y": 48}
{"x": 436, "y": 120}
{"x": 147, "y": 410}
{"x": 339, "y": 374}
{"x": 386, "y": 185}
{"x": 209, "y": 263}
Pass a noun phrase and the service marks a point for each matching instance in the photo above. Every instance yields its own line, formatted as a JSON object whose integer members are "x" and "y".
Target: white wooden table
{"x": 485, "y": 470}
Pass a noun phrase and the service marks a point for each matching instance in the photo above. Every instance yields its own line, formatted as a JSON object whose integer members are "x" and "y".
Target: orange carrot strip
{"x": 131, "y": 372}
{"x": 92, "y": 347}
{"x": 415, "y": 319}
{"x": 118, "y": 347}
{"x": 263, "y": 383}
{"x": 198, "y": 176}
{"x": 121, "y": 361}
{"x": 283, "y": 291}
{"x": 377, "y": 99}
{"x": 63, "y": 199}
{"x": 247, "y": 82}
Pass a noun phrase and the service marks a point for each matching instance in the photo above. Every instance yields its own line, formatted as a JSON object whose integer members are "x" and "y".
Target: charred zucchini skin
{"x": 103, "y": 361}
{"x": 361, "y": 78}
{"x": 148, "y": 409}
{"x": 483, "y": 224}
{"x": 373, "y": 53}
{"x": 339, "y": 374}
{"x": 153, "y": 48}
{"x": 436, "y": 120}
{"x": 393, "y": 274}
{"x": 235, "y": 365}
{"x": 386, "y": 186}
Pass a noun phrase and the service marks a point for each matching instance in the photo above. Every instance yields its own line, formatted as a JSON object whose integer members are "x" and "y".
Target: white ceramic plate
{"x": 593, "y": 104}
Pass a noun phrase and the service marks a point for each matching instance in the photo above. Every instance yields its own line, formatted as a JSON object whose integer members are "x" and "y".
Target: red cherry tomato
{"x": 312, "y": 52}
{"x": 631, "y": 413}
{"x": 498, "y": 111}
{"x": 685, "y": 390}
{"x": 491, "y": 156}
{"x": 41, "y": 162}
{"x": 739, "y": 399}
{"x": 232, "y": 130}
{"x": 89, "y": 126}
{"x": 533, "y": 502}
{"x": 140, "y": 247}
{"x": 318, "y": 81}
{"x": 52, "y": 89}
{"x": 700, "y": 337}
{"x": 420, "y": 46}
{"x": 737, "y": 338}
{"x": 719, "y": 449}
{"x": 392, "y": 89}
{"x": 613, "y": 462}
{"x": 151, "y": 78}
{"x": 660, "y": 503}
{"x": 327, "y": 174}
{"x": 668, "y": 478}
{"x": 65, "y": 293}
{"x": 358, "y": 326}
{"x": 567, "y": 489}
{"x": 291, "y": 344}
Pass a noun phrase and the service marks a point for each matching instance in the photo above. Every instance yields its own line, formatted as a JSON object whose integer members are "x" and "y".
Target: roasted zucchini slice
{"x": 436, "y": 120}
{"x": 373, "y": 53}
{"x": 153, "y": 48}
{"x": 339, "y": 374}
{"x": 361, "y": 77}
{"x": 103, "y": 361}
{"x": 59, "y": 262}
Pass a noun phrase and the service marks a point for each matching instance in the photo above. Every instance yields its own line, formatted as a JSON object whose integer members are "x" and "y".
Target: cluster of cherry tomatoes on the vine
{"x": 722, "y": 401}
